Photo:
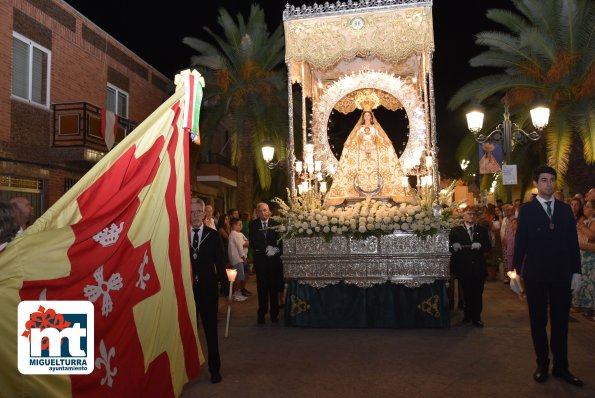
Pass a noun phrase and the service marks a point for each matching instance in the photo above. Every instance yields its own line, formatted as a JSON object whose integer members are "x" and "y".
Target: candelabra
{"x": 310, "y": 172}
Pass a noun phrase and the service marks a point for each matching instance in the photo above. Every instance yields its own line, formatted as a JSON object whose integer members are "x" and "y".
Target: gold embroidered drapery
{"x": 391, "y": 35}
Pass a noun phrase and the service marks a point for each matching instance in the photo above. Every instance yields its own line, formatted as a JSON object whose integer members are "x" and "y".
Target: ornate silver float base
{"x": 401, "y": 258}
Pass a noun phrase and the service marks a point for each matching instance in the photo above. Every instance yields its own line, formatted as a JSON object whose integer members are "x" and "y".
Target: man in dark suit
{"x": 546, "y": 240}
{"x": 468, "y": 243}
{"x": 208, "y": 267}
{"x": 267, "y": 263}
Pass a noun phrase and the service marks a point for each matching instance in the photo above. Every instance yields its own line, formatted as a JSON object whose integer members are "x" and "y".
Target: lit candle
{"x": 309, "y": 149}
{"x": 405, "y": 182}
{"x": 323, "y": 186}
{"x": 319, "y": 176}
{"x": 231, "y": 274}
{"x": 317, "y": 165}
{"x": 429, "y": 161}
{"x": 298, "y": 166}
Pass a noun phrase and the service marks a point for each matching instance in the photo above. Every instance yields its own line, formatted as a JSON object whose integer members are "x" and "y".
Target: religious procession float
{"x": 363, "y": 247}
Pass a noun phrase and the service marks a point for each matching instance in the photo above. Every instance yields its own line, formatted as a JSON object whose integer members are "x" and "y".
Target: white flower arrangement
{"x": 305, "y": 216}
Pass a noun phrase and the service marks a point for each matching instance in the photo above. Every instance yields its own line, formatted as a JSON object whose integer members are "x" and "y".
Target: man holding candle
{"x": 546, "y": 251}
{"x": 208, "y": 268}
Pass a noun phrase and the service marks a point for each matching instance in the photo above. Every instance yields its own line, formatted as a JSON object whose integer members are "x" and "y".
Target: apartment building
{"x": 60, "y": 74}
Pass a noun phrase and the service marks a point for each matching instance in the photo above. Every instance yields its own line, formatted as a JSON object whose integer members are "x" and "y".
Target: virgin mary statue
{"x": 368, "y": 167}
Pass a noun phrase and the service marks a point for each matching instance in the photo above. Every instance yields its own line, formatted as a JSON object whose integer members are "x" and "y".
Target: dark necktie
{"x": 195, "y": 238}
{"x": 264, "y": 228}
{"x": 548, "y": 210}
{"x": 471, "y": 233}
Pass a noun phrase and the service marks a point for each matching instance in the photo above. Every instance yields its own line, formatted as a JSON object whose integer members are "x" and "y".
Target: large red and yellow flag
{"x": 119, "y": 239}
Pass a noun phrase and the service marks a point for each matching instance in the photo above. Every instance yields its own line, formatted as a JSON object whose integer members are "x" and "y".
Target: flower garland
{"x": 305, "y": 216}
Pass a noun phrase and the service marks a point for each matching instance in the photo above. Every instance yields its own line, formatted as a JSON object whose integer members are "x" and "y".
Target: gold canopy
{"x": 366, "y": 38}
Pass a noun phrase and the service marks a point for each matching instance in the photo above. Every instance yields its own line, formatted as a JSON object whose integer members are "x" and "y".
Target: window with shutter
{"x": 30, "y": 70}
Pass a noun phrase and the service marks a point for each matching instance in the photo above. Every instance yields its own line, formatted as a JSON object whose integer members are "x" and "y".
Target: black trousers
{"x": 207, "y": 304}
{"x": 540, "y": 296}
{"x": 267, "y": 283}
{"x": 472, "y": 286}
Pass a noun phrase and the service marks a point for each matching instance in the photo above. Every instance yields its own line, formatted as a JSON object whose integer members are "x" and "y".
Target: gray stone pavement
{"x": 463, "y": 361}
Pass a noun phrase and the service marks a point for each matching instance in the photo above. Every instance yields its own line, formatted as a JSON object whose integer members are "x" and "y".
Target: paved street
{"x": 463, "y": 361}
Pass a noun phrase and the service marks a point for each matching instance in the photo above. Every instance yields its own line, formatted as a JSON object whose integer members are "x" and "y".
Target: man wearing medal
{"x": 547, "y": 255}
{"x": 208, "y": 268}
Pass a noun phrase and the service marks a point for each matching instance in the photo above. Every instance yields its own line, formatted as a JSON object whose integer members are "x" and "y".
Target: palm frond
{"x": 559, "y": 140}
{"x": 585, "y": 128}
{"x": 484, "y": 87}
{"x": 513, "y": 22}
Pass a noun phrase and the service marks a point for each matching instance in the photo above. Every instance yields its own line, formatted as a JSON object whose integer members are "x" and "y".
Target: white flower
{"x": 301, "y": 230}
{"x": 326, "y": 230}
{"x": 404, "y": 226}
{"x": 309, "y": 231}
{"x": 282, "y": 228}
{"x": 362, "y": 229}
{"x": 344, "y": 228}
{"x": 370, "y": 219}
{"x": 317, "y": 229}
{"x": 313, "y": 223}
{"x": 409, "y": 219}
{"x": 334, "y": 229}
{"x": 370, "y": 226}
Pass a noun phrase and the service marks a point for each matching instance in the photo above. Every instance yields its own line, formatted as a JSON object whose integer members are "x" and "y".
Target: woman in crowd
{"x": 224, "y": 230}
{"x": 585, "y": 299}
{"x": 577, "y": 208}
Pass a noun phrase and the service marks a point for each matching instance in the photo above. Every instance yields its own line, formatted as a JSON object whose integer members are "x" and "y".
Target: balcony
{"x": 77, "y": 137}
{"x": 216, "y": 170}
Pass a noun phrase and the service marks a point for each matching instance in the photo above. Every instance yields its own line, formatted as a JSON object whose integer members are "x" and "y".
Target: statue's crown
{"x": 367, "y": 100}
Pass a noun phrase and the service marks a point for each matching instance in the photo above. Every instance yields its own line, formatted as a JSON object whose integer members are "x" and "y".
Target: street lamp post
{"x": 507, "y": 131}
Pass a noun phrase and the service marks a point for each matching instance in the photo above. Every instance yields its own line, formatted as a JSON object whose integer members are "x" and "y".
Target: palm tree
{"x": 548, "y": 52}
{"x": 245, "y": 94}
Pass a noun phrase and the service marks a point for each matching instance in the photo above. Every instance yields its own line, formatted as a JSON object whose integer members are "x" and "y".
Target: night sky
{"x": 155, "y": 34}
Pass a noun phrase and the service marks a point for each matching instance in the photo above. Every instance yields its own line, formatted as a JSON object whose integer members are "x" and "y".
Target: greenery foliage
{"x": 547, "y": 51}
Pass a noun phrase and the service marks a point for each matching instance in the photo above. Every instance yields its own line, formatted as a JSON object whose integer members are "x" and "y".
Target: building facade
{"x": 64, "y": 83}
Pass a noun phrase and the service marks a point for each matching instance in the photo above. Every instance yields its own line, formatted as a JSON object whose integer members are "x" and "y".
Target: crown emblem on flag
{"x": 109, "y": 236}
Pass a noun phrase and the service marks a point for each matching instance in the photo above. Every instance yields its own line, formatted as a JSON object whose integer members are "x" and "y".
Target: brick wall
{"x": 83, "y": 59}
{"x": 5, "y": 67}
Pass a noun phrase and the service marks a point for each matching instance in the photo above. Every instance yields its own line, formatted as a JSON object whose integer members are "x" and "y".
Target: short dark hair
{"x": 234, "y": 221}
{"x": 543, "y": 169}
